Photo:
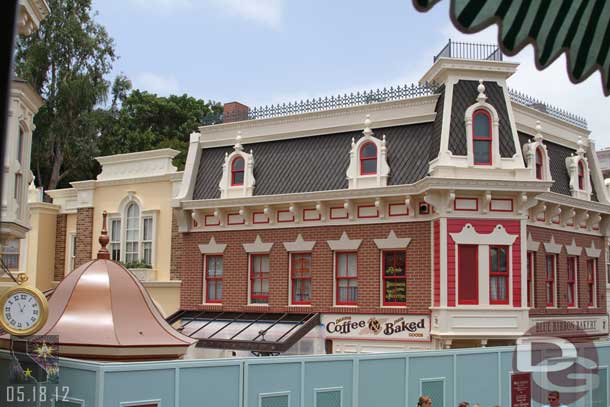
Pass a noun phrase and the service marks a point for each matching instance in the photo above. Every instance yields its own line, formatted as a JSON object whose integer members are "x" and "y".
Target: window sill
{"x": 405, "y": 306}
{"x": 345, "y": 306}
{"x": 299, "y": 305}
{"x": 214, "y": 304}
{"x": 258, "y": 305}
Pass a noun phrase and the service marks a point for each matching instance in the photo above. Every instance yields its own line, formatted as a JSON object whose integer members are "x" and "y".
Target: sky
{"x": 262, "y": 52}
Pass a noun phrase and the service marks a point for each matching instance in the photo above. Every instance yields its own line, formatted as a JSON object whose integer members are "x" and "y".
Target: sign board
{"x": 521, "y": 390}
{"x": 377, "y": 327}
{"x": 567, "y": 326}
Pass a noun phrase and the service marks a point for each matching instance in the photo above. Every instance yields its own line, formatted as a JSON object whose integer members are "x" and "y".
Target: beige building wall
{"x": 41, "y": 245}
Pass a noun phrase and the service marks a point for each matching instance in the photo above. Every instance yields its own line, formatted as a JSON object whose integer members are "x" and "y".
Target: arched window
{"x": 368, "y": 159}
{"x": 237, "y": 171}
{"x": 481, "y": 130}
{"x": 132, "y": 234}
{"x": 538, "y": 163}
{"x": 581, "y": 175}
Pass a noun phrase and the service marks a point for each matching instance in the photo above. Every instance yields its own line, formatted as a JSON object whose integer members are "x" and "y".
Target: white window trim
{"x": 247, "y": 188}
{"x": 532, "y": 294}
{"x": 380, "y": 177}
{"x": 595, "y": 278}
{"x": 555, "y": 282}
{"x": 290, "y": 299}
{"x": 576, "y": 280}
{"x": 529, "y": 152}
{"x": 71, "y": 251}
{"x": 482, "y": 104}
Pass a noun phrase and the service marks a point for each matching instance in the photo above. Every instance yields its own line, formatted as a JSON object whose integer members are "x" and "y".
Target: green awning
{"x": 580, "y": 28}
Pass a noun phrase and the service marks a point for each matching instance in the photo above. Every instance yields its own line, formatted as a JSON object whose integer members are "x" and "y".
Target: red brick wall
{"x": 565, "y": 238}
{"x": 235, "y": 295}
{"x": 60, "y": 247}
{"x": 437, "y": 264}
{"x": 84, "y": 235}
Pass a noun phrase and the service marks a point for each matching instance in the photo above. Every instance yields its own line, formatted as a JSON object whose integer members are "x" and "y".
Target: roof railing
{"x": 543, "y": 107}
{"x": 466, "y": 50}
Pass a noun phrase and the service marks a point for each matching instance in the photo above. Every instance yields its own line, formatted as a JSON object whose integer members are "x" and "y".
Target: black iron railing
{"x": 465, "y": 50}
{"x": 551, "y": 110}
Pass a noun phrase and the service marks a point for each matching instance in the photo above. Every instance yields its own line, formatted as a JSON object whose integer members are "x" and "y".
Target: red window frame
{"x": 531, "y": 265}
{"x": 237, "y": 171}
{"x": 499, "y": 275}
{"x": 591, "y": 280}
{"x": 549, "y": 279}
{"x": 571, "y": 280}
{"x": 215, "y": 279}
{"x": 581, "y": 175}
{"x": 393, "y": 279}
{"x": 482, "y": 138}
{"x": 462, "y": 301}
{"x": 262, "y": 297}
{"x": 300, "y": 273}
{"x": 538, "y": 163}
{"x": 352, "y": 281}
{"x": 364, "y": 158}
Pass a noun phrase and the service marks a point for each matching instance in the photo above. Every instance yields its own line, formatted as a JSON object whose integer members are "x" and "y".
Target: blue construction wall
{"x": 479, "y": 375}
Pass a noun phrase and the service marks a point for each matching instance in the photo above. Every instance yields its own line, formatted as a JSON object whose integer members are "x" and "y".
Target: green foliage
{"x": 66, "y": 61}
{"x": 146, "y": 121}
{"x": 136, "y": 265}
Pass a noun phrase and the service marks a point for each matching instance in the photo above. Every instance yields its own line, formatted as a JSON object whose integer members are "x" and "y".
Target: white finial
{"x": 367, "y": 126}
{"x": 353, "y": 142}
{"x": 238, "y": 145}
{"x": 481, "y": 88}
{"x": 538, "y": 137}
{"x": 580, "y": 150}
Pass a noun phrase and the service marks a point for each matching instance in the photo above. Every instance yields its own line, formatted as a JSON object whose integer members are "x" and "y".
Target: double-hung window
{"x": 213, "y": 278}
{"x": 346, "y": 273}
{"x": 300, "y": 275}
{"x": 581, "y": 175}
{"x": 368, "y": 159}
{"x": 259, "y": 278}
{"x": 551, "y": 264}
{"x": 531, "y": 265}
{"x": 571, "y": 283}
{"x": 131, "y": 236}
{"x": 498, "y": 275}
{"x": 237, "y": 171}
{"x": 591, "y": 282}
{"x": 481, "y": 137}
{"x": 539, "y": 163}
{"x": 394, "y": 278}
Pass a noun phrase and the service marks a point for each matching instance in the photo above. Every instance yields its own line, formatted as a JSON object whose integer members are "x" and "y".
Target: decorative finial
{"x": 580, "y": 150}
{"x": 104, "y": 239}
{"x": 367, "y": 126}
{"x": 481, "y": 88}
{"x": 238, "y": 145}
{"x": 538, "y": 137}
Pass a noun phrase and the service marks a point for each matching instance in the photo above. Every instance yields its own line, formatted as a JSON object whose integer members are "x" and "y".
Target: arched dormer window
{"x": 368, "y": 159}
{"x": 237, "y": 171}
{"x": 481, "y": 137}
{"x": 368, "y": 166}
{"x": 482, "y": 129}
{"x": 539, "y": 165}
{"x": 581, "y": 175}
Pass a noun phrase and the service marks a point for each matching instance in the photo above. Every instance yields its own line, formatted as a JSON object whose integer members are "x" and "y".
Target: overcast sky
{"x": 261, "y": 52}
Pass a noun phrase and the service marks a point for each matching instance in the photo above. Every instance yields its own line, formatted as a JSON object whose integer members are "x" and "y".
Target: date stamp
{"x": 34, "y": 395}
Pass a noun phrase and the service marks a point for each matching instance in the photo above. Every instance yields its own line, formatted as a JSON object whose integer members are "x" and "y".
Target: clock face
{"x": 23, "y": 311}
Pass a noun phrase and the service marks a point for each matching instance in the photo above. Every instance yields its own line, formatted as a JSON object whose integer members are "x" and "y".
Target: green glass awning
{"x": 580, "y": 28}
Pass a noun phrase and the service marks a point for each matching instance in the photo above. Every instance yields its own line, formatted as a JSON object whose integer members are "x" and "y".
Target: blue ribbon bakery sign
{"x": 377, "y": 327}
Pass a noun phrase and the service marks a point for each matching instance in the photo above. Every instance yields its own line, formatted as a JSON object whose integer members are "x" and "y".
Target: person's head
{"x": 464, "y": 404}
{"x": 553, "y": 398}
{"x": 424, "y": 401}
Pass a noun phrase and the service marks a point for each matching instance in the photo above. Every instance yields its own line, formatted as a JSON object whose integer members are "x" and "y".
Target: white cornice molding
{"x": 566, "y": 200}
{"x": 137, "y": 156}
{"x": 552, "y": 247}
{"x": 532, "y": 246}
{"x": 555, "y": 130}
{"x": 572, "y": 249}
{"x": 492, "y": 70}
{"x": 384, "y": 114}
{"x": 212, "y": 247}
{"x": 344, "y": 243}
{"x": 592, "y": 251}
{"x": 468, "y": 235}
{"x": 26, "y": 94}
{"x": 392, "y": 242}
{"x": 258, "y": 246}
{"x": 299, "y": 245}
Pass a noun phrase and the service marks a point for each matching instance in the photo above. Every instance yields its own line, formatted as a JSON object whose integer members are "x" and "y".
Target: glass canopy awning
{"x": 257, "y": 332}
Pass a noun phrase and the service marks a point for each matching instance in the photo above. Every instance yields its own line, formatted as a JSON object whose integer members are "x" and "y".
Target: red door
{"x": 468, "y": 274}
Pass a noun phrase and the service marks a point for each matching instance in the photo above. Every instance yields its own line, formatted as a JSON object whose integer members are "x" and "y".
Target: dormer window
{"x": 581, "y": 175}
{"x": 536, "y": 156}
{"x": 237, "y": 171}
{"x": 481, "y": 129}
{"x": 578, "y": 168}
{"x": 538, "y": 163}
{"x": 368, "y": 159}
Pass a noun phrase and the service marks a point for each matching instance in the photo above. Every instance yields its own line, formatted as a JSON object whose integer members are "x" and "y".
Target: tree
{"x": 146, "y": 121}
{"x": 66, "y": 61}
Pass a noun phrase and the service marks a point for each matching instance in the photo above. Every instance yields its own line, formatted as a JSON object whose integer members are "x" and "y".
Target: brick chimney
{"x": 235, "y": 112}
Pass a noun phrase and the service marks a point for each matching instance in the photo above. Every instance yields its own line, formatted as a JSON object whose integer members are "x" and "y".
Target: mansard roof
{"x": 464, "y": 95}
{"x": 319, "y": 163}
{"x": 559, "y": 172}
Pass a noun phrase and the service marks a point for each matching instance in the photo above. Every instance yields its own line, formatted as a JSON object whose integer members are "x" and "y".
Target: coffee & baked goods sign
{"x": 381, "y": 327}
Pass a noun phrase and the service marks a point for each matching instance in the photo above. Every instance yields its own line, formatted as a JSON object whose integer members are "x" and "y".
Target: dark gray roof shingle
{"x": 465, "y": 95}
{"x": 318, "y": 163}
